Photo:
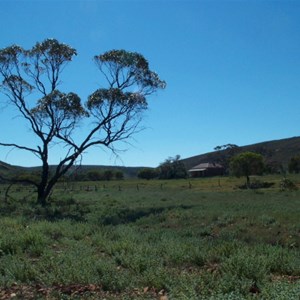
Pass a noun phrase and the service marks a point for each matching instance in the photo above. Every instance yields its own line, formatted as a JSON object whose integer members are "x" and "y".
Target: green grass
{"x": 197, "y": 239}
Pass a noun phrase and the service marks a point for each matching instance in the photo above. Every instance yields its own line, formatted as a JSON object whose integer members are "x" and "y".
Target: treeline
{"x": 174, "y": 168}
{"x": 96, "y": 175}
{"x": 171, "y": 168}
{"x": 90, "y": 175}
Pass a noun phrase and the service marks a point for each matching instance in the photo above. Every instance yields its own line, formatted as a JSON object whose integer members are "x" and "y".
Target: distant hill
{"x": 275, "y": 152}
{"x": 6, "y": 170}
{"x": 5, "y": 166}
{"x": 129, "y": 172}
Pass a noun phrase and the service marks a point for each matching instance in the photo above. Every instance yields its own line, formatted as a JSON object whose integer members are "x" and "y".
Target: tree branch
{"x": 20, "y": 147}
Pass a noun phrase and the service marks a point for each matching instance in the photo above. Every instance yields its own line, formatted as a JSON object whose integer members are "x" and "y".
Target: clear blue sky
{"x": 232, "y": 69}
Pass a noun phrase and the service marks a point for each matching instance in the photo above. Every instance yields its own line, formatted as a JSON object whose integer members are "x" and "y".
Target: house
{"x": 206, "y": 170}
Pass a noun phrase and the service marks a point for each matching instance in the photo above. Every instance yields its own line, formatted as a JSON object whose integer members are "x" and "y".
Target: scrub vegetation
{"x": 152, "y": 239}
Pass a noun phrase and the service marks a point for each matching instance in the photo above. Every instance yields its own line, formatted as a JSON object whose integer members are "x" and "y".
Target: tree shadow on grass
{"x": 55, "y": 211}
{"x": 126, "y": 215}
{"x": 70, "y": 209}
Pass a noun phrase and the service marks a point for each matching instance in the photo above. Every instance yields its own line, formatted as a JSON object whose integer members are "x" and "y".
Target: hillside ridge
{"x": 279, "y": 151}
{"x": 275, "y": 151}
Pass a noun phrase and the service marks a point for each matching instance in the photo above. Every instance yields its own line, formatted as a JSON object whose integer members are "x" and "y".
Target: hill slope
{"x": 129, "y": 172}
{"x": 276, "y": 151}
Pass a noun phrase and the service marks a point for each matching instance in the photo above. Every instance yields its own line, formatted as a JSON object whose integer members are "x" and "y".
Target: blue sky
{"x": 232, "y": 69}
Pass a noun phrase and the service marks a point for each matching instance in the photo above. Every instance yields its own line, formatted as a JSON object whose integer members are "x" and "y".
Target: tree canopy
{"x": 172, "y": 168}
{"x": 247, "y": 164}
{"x": 294, "y": 164}
{"x": 148, "y": 173}
{"x": 31, "y": 81}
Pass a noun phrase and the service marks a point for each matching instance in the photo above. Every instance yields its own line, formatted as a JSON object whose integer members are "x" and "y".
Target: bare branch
{"x": 19, "y": 147}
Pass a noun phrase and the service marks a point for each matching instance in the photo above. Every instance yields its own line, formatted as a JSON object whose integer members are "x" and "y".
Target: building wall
{"x": 208, "y": 172}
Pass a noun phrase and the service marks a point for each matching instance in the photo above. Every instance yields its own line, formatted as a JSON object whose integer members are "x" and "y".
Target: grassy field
{"x": 181, "y": 239}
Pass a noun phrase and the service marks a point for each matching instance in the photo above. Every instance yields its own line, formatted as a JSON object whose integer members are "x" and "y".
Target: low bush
{"x": 287, "y": 184}
{"x": 257, "y": 184}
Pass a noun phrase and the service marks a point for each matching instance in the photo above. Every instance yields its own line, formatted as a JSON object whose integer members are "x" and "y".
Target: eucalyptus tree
{"x": 247, "y": 164}
{"x": 31, "y": 80}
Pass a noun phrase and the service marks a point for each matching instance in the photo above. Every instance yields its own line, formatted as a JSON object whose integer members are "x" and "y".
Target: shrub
{"x": 257, "y": 184}
{"x": 148, "y": 173}
{"x": 287, "y": 184}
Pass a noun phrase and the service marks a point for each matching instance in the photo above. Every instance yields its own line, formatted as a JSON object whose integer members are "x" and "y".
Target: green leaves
{"x": 53, "y": 49}
{"x": 37, "y": 68}
{"x": 124, "y": 59}
{"x": 10, "y": 54}
{"x": 130, "y": 81}
{"x": 17, "y": 83}
{"x": 172, "y": 168}
{"x": 125, "y": 69}
{"x": 116, "y": 97}
{"x": 246, "y": 164}
{"x": 57, "y": 101}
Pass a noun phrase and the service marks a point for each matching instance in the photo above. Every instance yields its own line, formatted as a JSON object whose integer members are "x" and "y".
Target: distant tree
{"x": 78, "y": 176}
{"x": 226, "y": 147}
{"x": 274, "y": 167}
{"x": 294, "y": 164}
{"x": 148, "y": 173}
{"x": 119, "y": 175}
{"x": 172, "y": 168}
{"x": 108, "y": 175}
{"x": 224, "y": 153}
{"x": 30, "y": 80}
{"x": 94, "y": 175}
{"x": 246, "y": 164}
{"x": 26, "y": 177}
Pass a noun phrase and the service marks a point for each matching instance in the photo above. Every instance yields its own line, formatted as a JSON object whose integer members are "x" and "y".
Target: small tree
{"x": 94, "y": 175}
{"x": 148, "y": 173}
{"x": 294, "y": 164}
{"x": 246, "y": 164}
{"x": 119, "y": 175}
{"x": 30, "y": 80}
{"x": 224, "y": 153}
{"x": 108, "y": 175}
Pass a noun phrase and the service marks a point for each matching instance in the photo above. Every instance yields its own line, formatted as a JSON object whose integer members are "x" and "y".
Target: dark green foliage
{"x": 52, "y": 50}
{"x": 108, "y": 175}
{"x": 133, "y": 67}
{"x": 246, "y": 164}
{"x": 148, "y": 173}
{"x": 94, "y": 175}
{"x": 294, "y": 164}
{"x": 119, "y": 175}
{"x": 274, "y": 167}
{"x": 172, "y": 168}
{"x": 223, "y": 155}
{"x": 287, "y": 184}
{"x": 66, "y": 107}
{"x": 257, "y": 184}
